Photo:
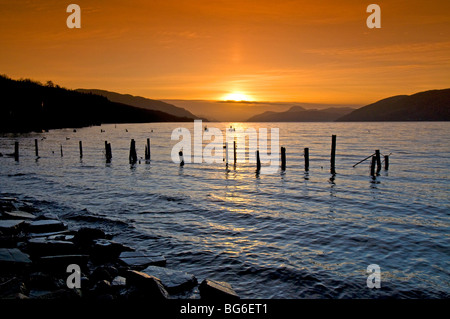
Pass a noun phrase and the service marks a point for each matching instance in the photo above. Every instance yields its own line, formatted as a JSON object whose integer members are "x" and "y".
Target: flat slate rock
{"x": 45, "y": 247}
{"x": 62, "y": 261}
{"x": 45, "y": 226}
{"x": 10, "y": 226}
{"x": 139, "y": 260}
{"x": 217, "y": 290}
{"x": 173, "y": 280}
{"x": 13, "y": 256}
{"x": 58, "y": 233}
{"x": 17, "y": 214}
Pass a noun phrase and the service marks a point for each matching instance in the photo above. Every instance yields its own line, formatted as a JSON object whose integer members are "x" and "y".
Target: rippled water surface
{"x": 291, "y": 234}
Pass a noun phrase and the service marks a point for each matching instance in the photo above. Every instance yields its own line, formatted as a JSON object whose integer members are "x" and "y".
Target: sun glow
{"x": 237, "y": 96}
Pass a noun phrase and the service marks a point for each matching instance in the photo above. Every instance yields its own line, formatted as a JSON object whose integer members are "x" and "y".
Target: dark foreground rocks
{"x": 36, "y": 251}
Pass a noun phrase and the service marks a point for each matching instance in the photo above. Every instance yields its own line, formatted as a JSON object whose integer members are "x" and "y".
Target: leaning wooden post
{"x": 283, "y": 158}
{"x": 133, "y": 155}
{"x": 333, "y": 153}
{"x": 258, "y": 162}
{"x": 306, "y": 153}
{"x": 16, "y": 151}
{"x": 81, "y": 149}
{"x": 386, "y": 162}
{"x": 378, "y": 159}
{"x": 372, "y": 166}
{"x": 36, "y": 147}
{"x": 61, "y": 151}
{"x": 180, "y": 153}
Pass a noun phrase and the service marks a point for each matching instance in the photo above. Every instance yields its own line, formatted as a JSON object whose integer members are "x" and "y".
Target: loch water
{"x": 291, "y": 234}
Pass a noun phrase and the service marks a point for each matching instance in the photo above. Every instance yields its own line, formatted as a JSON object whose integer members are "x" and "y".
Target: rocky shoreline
{"x": 42, "y": 259}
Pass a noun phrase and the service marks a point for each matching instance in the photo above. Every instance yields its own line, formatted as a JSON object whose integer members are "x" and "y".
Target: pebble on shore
{"x": 36, "y": 249}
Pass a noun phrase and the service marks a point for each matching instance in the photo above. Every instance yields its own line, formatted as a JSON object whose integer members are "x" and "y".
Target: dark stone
{"x": 102, "y": 287}
{"x": 148, "y": 285}
{"x": 119, "y": 282}
{"x": 104, "y": 250}
{"x": 87, "y": 235}
{"x": 11, "y": 288}
{"x": 17, "y": 214}
{"x": 138, "y": 260}
{"x": 11, "y": 226}
{"x": 173, "y": 280}
{"x": 13, "y": 257}
{"x": 60, "y": 262}
{"x": 58, "y": 233}
{"x": 64, "y": 237}
{"x": 45, "y": 226}
{"x": 44, "y": 281}
{"x": 217, "y": 290}
{"x": 46, "y": 247}
{"x": 104, "y": 273}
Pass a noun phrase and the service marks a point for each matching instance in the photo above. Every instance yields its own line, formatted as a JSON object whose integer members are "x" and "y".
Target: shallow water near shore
{"x": 291, "y": 234}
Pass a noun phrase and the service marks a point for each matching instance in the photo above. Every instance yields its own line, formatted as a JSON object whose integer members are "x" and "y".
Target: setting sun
{"x": 237, "y": 96}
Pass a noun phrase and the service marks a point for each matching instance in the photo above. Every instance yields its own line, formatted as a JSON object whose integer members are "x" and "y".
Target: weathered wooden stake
{"x": 386, "y": 162}
{"x": 147, "y": 150}
{"x": 61, "y": 151}
{"x": 180, "y": 153}
{"x": 36, "y": 147}
{"x": 283, "y": 158}
{"x": 226, "y": 154}
{"x": 378, "y": 159}
{"x": 81, "y": 149}
{"x": 133, "y": 155}
{"x": 306, "y": 153}
{"x": 258, "y": 162}
{"x": 372, "y": 166}
{"x": 108, "y": 152}
{"x": 16, "y": 151}
{"x": 235, "y": 153}
{"x": 333, "y": 153}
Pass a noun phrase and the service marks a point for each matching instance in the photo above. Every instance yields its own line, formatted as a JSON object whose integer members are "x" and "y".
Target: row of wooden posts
{"x": 375, "y": 166}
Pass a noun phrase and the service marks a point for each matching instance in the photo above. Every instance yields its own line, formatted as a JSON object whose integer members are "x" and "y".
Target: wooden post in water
{"x": 226, "y": 154}
{"x": 133, "y": 155}
{"x": 36, "y": 147}
{"x": 306, "y": 153}
{"x": 333, "y": 154}
{"x": 147, "y": 150}
{"x": 258, "y": 162}
{"x": 378, "y": 159}
{"x": 386, "y": 162}
{"x": 81, "y": 149}
{"x": 61, "y": 151}
{"x": 372, "y": 166}
{"x": 235, "y": 153}
{"x": 283, "y": 158}
{"x": 108, "y": 152}
{"x": 16, "y": 151}
{"x": 180, "y": 153}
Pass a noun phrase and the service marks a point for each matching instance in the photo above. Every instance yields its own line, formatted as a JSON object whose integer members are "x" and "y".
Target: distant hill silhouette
{"x": 431, "y": 105}
{"x": 26, "y": 105}
{"x": 141, "y": 102}
{"x": 298, "y": 113}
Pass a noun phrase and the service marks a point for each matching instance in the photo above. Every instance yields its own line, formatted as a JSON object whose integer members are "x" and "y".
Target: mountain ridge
{"x": 431, "y": 105}
{"x": 142, "y": 102}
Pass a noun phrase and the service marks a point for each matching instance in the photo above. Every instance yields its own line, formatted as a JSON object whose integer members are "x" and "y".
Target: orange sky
{"x": 307, "y": 51}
